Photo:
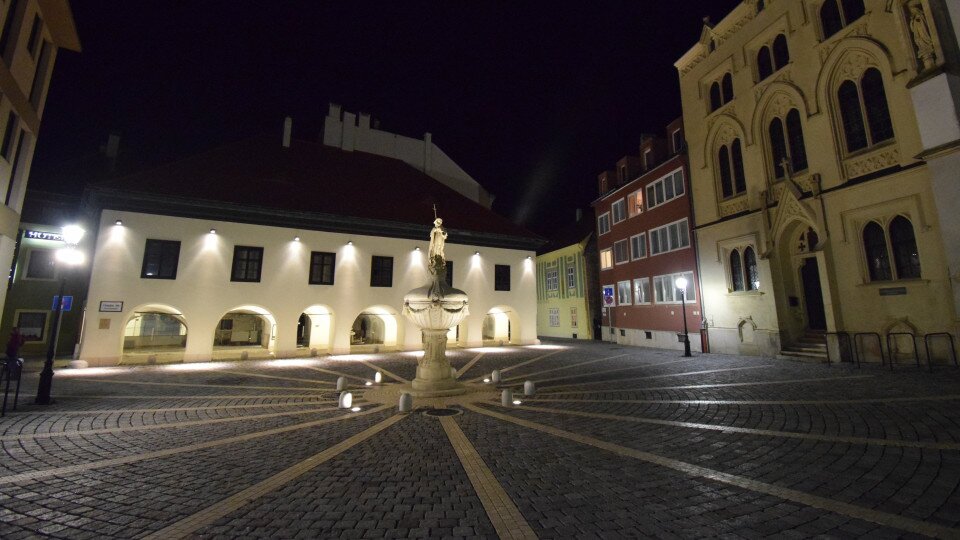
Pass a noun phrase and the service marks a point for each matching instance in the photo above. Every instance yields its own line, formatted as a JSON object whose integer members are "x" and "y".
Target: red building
{"x": 645, "y": 241}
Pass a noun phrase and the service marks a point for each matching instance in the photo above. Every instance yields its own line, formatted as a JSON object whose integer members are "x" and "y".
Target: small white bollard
{"x": 378, "y": 377}
{"x": 453, "y": 372}
{"x": 346, "y": 400}
{"x": 406, "y": 403}
{"x": 529, "y": 388}
{"x": 495, "y": 376}
{"x": 506, "y": 397}
{"x": 341, "y": 383}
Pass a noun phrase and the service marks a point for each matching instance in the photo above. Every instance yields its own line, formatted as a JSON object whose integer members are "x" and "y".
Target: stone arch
{"x": 745, "y": 329}
{"x": 901, "y": 347}
{"x": 776, "y": 100}
{"x": 723, "y": 129}
{"x": 849, "y": 56}
{"x": 320, "y": 330}
{"x": 501, "y": 325}
{"x": 375, "y": 328}
{"x": 153, "y": 333}
{"x": 245, "y": 331}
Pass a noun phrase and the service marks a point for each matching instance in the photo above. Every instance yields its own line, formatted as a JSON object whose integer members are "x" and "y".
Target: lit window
{"x": 606, "y": 259}
{"x": 571, "y": 277}
{"x": 624, "y": 293}
{"x": 641, "y": 290}
{"x": 635, "y": 203}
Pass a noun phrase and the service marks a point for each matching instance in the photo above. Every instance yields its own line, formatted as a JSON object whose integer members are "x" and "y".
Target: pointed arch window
{"x": 875, "y": 247}
{"x": 906, "y": 259}
{"x": 727, "y": 86}
{"x": 781, "y": 52}
{"x": 750, "y": 265}
{"x": 736, "y": 270}
{"x": 726, "y": 180}
{"x": 786, "y": 142}
{"x": 730, "y": 165}
{"x": 736, "y": 156}
{"x": 835, "y": 15}
{"x": 864, "y": 111}
{"x": 715, "y": 99}
{"x": 764, "y": 63}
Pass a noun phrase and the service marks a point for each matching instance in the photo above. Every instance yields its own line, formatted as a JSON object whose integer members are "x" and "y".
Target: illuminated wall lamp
{"x": 118, "y": 222}
{"x": 213, "y": 231}
{"x": 296, "y": 238}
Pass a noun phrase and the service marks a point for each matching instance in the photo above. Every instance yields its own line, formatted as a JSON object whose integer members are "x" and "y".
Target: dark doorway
{"x": 303, "y": 331}
{"x": 813, "y": 295}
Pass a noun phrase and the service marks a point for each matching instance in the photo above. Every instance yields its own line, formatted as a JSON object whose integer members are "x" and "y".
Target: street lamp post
{"x": 682, "y": 285}
{"x": 67, "y": 256}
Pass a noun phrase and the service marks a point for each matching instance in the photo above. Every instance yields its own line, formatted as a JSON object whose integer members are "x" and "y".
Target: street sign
{"x": 608, "y": 298}
{"x": 67, "y": 303}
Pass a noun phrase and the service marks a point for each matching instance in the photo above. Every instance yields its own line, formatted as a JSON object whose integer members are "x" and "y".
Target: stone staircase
{"x": 810, "y": 347}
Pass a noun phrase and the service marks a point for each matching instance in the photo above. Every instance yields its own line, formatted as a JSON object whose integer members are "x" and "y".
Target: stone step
{"x": 802, "y": 357}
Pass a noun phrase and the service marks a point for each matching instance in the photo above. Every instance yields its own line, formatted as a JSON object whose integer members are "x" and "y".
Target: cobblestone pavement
{"x": 617, "y": 442}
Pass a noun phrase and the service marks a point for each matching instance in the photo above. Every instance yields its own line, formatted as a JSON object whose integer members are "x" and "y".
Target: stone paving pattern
{"x": 407, "y": 481}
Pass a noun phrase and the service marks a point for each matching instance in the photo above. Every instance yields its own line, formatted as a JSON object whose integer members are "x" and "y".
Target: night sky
{"x": 533, "y": 99}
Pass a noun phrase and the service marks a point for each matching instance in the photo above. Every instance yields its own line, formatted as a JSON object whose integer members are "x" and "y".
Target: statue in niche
{"x": 920, "y": 32}
{"x": 437, "y": 259}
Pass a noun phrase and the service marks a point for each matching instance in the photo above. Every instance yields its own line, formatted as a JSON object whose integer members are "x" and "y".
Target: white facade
{"x": 202, "y": 292}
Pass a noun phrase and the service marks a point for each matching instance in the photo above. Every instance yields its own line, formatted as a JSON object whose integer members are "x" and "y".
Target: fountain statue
{"x": 435, "y": 309}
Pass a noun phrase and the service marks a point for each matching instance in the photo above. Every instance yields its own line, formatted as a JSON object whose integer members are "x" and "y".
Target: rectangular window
{"x": 501, "y": 277}
{"x": 677, "y": 141}
{"x": 554, "y": 316}
{"x": 573, "y": 317}
{"x": 641, "y": 291}
{"x": 160, "y": 259}
{"x": 665, "y": 189}
{"x": 322, "y": 267}
{"x": 449, "y": 273}
{"x": 635, "y": 203}
{"x": 603, "y": 223}
{"x": 33, "y": 43}
{"x": 40, "y": 74}
{"x": 42, "y": 264}
{"x": 647, "y": 159}
{"x": 670, "y": 237}
{"x": 606, "y": 259}
{"x": 381, "y": 273}
{"x": 624, "y": 293}
{"x": 571, "y": 278}
{"x": 619, "y": 210}
{"x": 8, "y": 27}
{"x": 620, "y": 252}
{"x": 32, "y": 325}
{"x": 247, "y": 264}
{"x": 638, "y": 246}
{"x": 553, "y": 281}
{"x": 9, "y": 134}
{"x": 665, "y": 288}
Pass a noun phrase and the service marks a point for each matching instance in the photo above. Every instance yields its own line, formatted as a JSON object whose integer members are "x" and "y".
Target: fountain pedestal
{"x": 434, "y": 378}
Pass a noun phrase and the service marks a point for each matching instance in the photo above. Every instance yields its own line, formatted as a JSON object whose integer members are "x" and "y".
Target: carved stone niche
{"x": 874, "y": 161}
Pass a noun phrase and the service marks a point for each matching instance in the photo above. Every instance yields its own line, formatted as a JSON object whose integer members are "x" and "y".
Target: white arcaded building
{"x": 264, "y": 248}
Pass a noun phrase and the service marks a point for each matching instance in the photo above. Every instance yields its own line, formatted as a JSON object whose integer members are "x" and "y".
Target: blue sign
{"x": 65, "y": 306}
{"x": 608, "y": 298}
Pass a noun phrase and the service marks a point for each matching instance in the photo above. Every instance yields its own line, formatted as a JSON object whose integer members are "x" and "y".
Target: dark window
{"x": 160, "y": 259}
{"x": 677, "y": 141}
{"x": 875, "y": 104}
{"x": 715, "y": 100}
{"x": 736, "y": 156}
{"x": 736, "y": 270}
{"x": 33, "y": 42}
{"x": 830, "y": 18}
{"x": 778, "y": 147}
{"x": 226, "y": 324}
{"x": 381, "y": 273}
{"x": 321, "y": 267}
{"x": 764, "y": 63}
{"x": 904, "y": 244}
{"x": 727, "y": 84}
{"x": 9, "y": 134}
{"x": 875, "y": 246}
{"x": 449, "y": 273}
{"x": 852, "y": 117}
{"x": 726, "y": 180}
{"x": 753, "y": 275}
{"x": 247, "y": 263}
{"x": 31, "y": 325}
{"x": 8, "y": 26}
{"x": 501, "y": 277}
{"x": 798, "y": 152}
{"x": 42, "y": 264}
{"x": 852, "y": 10}
{"x": 759, "y": 6}
{"x": 40, "y": 75}
{"x": 14, "y": 169}
{"x": 781, "y": 53}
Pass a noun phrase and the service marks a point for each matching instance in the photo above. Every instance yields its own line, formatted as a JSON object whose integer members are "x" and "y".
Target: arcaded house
{"x": 644, "y": 239}
{"x": 816, "y": 208}
{"x": 270, "y": 248}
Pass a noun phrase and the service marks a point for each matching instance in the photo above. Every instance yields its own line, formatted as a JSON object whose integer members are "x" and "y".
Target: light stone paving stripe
{"x": 469, "y": 365}
{"x": 205, "y": 397}
{"x": 338, "y": 374}
{"x": 183, "y": 409}
{"x": 661, "y": 376}
{"x": 850, "y": 510}
{"x": 505, "y": 516}
{"x": 33, "y": 476}
{"x": 524, "y": 363}
{"x": 602, "y": 372}
{"x": 209, "y": 515}
{"x": 578, "y": 364}
{"x": 162, "y": 425}
{"x": 280, "y": 377}
{"x": 752, "y": 431}
{"x": 385, "y": 371}
{"x": 695, "y": 386}
{"x": 752, "y": 401}
{"x": 197, "y": 385}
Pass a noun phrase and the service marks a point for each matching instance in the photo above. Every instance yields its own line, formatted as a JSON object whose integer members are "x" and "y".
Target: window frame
{"x": 161, "y": 245}
{"x": 666, "y": 227}
{"x": 609, "y": 257}
{"x": 379, "y": 276}
{"x": 571, "y": 277}
{"x": 890, "y": 252}
{"x": 624, "y": 247}
{"x": 501, "y": 282}
{"x": 552, "y": 279}
{"x": 553, "y": 317}
{"x": 601, "y": 219}
{"x": 618, "y": 206}
{"x": 670, "y": 280}
{"x": 245, "y": 277}
{"x": 625, "y": 293}
{"x": 641, "y": 241}
{"x": 44, "y": 327}
{"x": 314, "y": 263}
{"x": 52, "y": 253}
{"x": 670, "y": 177}
{"x": 644, "y": 296}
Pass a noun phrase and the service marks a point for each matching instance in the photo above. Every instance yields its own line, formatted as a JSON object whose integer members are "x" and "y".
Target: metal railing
{"x": 890, "y": 347}
{"x": 857, "y": 348}
{"x": 953, "y": 350}
{"x": 843, "y": 338}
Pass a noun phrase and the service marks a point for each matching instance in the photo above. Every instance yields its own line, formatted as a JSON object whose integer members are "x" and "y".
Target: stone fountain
{"x": 435, "y": 309}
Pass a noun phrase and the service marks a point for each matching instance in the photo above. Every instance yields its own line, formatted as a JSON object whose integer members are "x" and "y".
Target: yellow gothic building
{"x": 816, "y": 218}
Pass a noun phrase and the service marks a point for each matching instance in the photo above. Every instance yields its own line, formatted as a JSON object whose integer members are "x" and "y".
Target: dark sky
{"x": 533, "y": 99}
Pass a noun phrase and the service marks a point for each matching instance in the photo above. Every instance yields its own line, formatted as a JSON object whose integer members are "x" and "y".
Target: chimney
{"x": 364, "y": 120}
{"x": 334, "y": 111}
{"x": 579, "y": 214}
{"x": 287, "y": 129}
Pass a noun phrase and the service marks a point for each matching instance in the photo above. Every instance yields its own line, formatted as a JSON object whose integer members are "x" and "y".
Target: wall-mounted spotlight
{"x": 296, "y": 238}
{"x": 349, "y": 242}
{"x": 416, "y": 248}
{"x": 213, "y": 231}
{"x": 118, "y": 222}
{"x": 529, "y": 257}
{"x": 476, "y": 252}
